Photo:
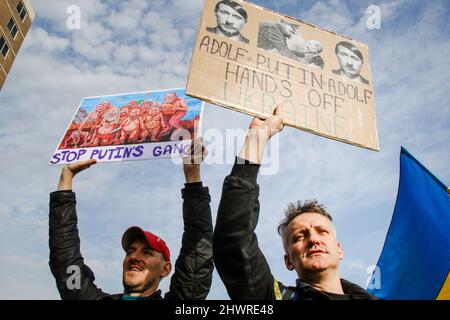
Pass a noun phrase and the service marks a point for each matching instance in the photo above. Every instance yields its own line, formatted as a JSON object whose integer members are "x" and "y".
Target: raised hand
{"x": 270, "y": 126}
{"x": 259, "y": 133}
{"x": 69, "y": 171}
{"x": 191, "y": 163}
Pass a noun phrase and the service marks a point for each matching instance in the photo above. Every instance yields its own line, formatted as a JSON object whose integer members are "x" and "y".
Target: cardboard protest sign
{"x": 133, "y": 126}
{"x": 248, "y": 59}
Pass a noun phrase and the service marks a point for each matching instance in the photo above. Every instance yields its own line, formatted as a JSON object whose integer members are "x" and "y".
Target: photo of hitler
{"x": 285, "y": 39}
{"x": 351, "y": 61}
{"x": 231, "y": 17}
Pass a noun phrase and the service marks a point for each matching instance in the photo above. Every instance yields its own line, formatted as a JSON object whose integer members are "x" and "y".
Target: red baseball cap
{"x": 154, "y": 242}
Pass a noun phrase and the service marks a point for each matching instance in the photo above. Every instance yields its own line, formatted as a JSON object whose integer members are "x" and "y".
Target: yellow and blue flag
{"x": 415, "y": 260}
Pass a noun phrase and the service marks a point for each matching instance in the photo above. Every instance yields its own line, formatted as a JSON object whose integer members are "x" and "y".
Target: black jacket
{"x": 193, "y": 268}
{"x": 237, "y": 256}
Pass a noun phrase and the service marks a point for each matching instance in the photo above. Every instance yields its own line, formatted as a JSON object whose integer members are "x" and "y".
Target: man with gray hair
{"x": 311, "y": 247}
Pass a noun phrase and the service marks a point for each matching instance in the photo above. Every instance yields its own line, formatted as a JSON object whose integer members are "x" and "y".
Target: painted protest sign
{"x": 132, "y": 126}
{"x": 248, "y": 59}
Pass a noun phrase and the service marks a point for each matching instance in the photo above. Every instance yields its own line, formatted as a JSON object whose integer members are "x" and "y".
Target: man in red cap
{"x": 147, "y": 260}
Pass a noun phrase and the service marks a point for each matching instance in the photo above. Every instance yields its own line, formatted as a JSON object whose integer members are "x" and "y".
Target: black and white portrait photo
{"x": 350, "y": 61}
{"x": 311, "y": 56}
{"x": 231, "y": 17}
{"x": 284, "y": 38}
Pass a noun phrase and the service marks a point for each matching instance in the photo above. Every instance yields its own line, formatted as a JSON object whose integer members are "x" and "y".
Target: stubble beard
{"x": 133, "y": 284}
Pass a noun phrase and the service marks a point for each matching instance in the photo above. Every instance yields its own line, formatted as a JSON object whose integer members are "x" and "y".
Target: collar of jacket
{"x": 354, "y": 291}
{"x": 155, "y": 296}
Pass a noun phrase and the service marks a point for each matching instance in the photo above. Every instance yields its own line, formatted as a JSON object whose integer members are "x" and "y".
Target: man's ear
{"x": 341, "y": 251}
{"x": 166, "y": 268}
{"x": 288, "y": 263}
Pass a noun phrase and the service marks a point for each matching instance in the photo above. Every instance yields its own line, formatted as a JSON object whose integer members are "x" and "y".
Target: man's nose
{"x": 134, "y": 256}
{"x": 313, "y": 239}
{"x": 131, "y": 257}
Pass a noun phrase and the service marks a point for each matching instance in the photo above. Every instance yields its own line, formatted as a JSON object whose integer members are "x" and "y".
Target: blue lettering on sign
{"x": 182, "y": 149}
{"x": 68, "y": 156}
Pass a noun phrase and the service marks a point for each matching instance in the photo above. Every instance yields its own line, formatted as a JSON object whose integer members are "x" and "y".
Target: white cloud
{"x": 40, "y": 40}
{"x": 123, "y": 54}
{"x": 333, "y": 15}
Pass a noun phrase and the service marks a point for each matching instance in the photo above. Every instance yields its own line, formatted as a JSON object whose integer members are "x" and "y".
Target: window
{"x": 12, "y": 28}
{"x": 4, "y": 48}
{"x": 21, "y": 10}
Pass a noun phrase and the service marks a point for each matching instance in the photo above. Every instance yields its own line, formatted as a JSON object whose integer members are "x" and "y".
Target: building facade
{"x": 16, "y": 17}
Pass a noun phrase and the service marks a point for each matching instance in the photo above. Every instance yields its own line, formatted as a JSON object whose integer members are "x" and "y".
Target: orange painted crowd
{"x": 133, "y": 123}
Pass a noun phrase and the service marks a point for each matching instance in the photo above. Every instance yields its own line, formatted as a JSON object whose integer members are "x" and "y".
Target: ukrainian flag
{"x": 415, "y": 260}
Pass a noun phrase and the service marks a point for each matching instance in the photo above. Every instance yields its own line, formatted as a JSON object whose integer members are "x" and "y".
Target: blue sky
{"x": 134, "y": 46}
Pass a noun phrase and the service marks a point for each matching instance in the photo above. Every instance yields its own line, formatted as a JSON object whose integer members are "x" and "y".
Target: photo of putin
{"x": 231, "y": 18}
{"x": 351, "y": 61}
